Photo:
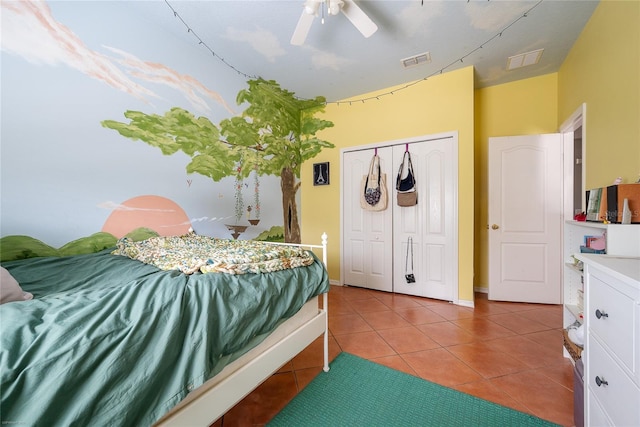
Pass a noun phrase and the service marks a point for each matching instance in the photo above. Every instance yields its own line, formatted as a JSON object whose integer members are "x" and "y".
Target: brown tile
{"x": 262, "y": 404}
{"x": 428, "y": 302}
{"x": 419, "y": 315}
{"x": 484, "y": 389}
{"x": 451, "y": 311}
{"x": 313, "y": 355}
{"x": 551, "y": 338}
{"x": 397, "y": 301}
{"x": 407, "y": 339}
{"x": 384, "y": 320}
{"x": 543, "y": 398}
{"x": 549, "y": 315}
{"x": 528, "y": 351}
{"x": 485, "y": 359}
{"x": 483, "y": 329}
{"x": 395, "y": 362}
{"x": 338, "y": 306}
{"x": 562, "y": 373}
{"x": 518, "y": 323}
{"x": 351, "y": 293}
{"x": 348, "y": 323}
{"x": 446, "y": 333}
{"x": 486, "y": 309}
{"x": 517, "y": 306}
{"x": 368, "y": 305}
{"x": 305, "y": 376}
{"x": 441, "y": 367}
{"x": 286, "y": 367}
{"x": 367, "y": 345}
{"x": 493, "y": 338}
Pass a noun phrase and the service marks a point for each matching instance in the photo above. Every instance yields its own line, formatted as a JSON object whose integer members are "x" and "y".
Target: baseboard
{"x": 481, "y": 289}
{"x": 466, "y": 303}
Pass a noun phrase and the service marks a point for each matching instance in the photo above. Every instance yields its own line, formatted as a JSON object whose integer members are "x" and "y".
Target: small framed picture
{"x": 321, "y": 173}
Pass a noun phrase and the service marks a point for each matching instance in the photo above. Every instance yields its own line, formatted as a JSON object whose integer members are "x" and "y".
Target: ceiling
{"x": 337, "y": 62}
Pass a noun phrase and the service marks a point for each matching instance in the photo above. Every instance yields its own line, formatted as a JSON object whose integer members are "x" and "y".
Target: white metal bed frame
{"x": 217, "y": 396}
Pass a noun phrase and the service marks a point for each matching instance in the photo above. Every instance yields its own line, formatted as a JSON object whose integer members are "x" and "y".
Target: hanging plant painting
{"x": 256, "y": 198}
{"x": 238, "y": 193}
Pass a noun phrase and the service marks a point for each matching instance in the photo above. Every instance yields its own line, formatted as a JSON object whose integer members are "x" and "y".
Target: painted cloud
{"x": 31, "y": 31}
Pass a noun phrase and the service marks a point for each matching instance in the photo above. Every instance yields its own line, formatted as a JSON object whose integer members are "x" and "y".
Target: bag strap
{"x": 406, "y": 159}
{"x": 375, "y": 160}
{"x": 406, "y": 261}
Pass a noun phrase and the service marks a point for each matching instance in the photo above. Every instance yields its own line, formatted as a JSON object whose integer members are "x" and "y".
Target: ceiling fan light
{"x": 335, "y": 6}
{"x": 311, "y": 7}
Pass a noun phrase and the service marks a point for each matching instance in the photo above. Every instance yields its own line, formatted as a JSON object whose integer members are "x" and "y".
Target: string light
{"x": 377, "y": 97}
{"x": 201, "y": 42}
{"x": 441, "y": 70}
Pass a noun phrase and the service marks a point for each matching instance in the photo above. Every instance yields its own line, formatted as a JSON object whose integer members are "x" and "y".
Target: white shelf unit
{"x": 621, "y": 240}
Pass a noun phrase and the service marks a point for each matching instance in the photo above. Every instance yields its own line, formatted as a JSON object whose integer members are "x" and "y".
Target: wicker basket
{"x": 574, "y": 350}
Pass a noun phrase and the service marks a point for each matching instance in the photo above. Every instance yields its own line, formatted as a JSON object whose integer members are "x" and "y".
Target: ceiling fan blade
{"x": 302, "y": 29}
{"x": 362, "y": 22}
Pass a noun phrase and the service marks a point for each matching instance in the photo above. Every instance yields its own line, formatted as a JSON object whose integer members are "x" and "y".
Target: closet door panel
{"x": 433, "y": 182}
{"x": 434, "y": 264}
{"x": 367, "y": 259}
{"x": 429, "y": 224}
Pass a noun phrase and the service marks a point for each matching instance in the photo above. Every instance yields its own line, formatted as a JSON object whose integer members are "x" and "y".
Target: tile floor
{"x": 508, "y": 353}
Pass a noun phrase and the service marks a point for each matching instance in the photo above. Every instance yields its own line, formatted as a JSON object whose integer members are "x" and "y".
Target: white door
{"x": 525, "y": 218}
{"x": 431, "y": 224}
{"x": 367, "y": 251}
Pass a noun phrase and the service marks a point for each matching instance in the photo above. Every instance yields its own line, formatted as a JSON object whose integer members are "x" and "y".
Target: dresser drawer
{"x": 596, "y": 415}
{"x": 613, "y": 318}
{"x": 616, "y": 391}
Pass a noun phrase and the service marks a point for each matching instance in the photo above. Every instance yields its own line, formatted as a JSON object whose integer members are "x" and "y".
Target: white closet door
{"x": 367, "y": 251}
{"x": 431, "y": 224}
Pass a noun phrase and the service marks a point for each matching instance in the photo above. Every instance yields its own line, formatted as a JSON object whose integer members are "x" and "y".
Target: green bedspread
{"x": 109, "y": 341}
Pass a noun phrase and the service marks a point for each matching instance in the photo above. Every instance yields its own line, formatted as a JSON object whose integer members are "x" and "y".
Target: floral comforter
{"x": 191, "y": 253}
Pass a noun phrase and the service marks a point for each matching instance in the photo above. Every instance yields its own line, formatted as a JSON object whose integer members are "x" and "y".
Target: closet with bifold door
{"x": 403, "y": 249}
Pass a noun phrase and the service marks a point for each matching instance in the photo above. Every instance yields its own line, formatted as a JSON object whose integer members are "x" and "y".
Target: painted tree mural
{"x": 274, "y": 135}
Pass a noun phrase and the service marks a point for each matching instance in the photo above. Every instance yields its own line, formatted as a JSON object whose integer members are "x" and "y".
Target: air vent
{"x": 524, "y": 59}
{"x": 412, "y": 61}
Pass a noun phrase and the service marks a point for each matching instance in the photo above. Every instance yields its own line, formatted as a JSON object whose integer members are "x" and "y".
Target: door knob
{"x": 495, "y": 226}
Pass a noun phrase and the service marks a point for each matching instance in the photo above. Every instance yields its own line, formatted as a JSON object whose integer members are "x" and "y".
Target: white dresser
{"x": 611, "y": 353}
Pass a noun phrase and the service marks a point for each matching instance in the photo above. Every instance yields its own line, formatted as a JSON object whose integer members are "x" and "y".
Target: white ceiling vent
{"x": 412, "y": 61}
{"x": 524, "y": 59}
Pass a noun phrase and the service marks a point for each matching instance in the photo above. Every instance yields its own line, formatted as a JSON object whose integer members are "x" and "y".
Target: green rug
{"x": 357, "y": 392}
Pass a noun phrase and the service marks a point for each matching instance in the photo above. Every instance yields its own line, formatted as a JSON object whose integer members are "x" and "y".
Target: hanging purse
{"x": 408, "y": 183}
{"x": 407, "y": 193}
{"x": 409, "y": 277}
{"x": 373, "y": 188}
{"x": 407, "y": 199}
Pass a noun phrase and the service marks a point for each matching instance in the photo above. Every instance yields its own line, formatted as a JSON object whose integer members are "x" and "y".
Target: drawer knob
{"x": 601, "y": 314}
{"x": 601, "y": 381}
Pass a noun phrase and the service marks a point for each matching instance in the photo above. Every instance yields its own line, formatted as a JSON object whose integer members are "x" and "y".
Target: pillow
{"x": 10, "y": 290}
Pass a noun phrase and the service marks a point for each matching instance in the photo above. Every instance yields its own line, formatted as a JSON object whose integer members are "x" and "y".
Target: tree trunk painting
{"x": 289, "y": 207}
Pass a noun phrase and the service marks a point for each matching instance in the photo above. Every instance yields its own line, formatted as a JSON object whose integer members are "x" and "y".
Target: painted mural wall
{"x": 66, "y": 67}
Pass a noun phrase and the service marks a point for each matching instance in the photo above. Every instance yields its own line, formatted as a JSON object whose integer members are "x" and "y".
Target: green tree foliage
{"x": 275, "y": 134}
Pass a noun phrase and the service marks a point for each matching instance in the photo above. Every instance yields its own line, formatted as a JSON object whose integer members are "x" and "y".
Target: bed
{"x": 110, "y": 340}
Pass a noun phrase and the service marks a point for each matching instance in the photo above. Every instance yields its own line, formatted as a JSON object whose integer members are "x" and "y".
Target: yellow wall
{"x": 603, "y": 71}
{"x": 524, "y": 107}
{"x": 439, "y": 104}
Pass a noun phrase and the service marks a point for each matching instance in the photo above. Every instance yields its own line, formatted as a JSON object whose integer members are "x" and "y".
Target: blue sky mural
{"x": 67, "y": 66}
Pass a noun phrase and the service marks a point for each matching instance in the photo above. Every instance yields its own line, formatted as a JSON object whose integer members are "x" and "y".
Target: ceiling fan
{"x": 313, "y": 8}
